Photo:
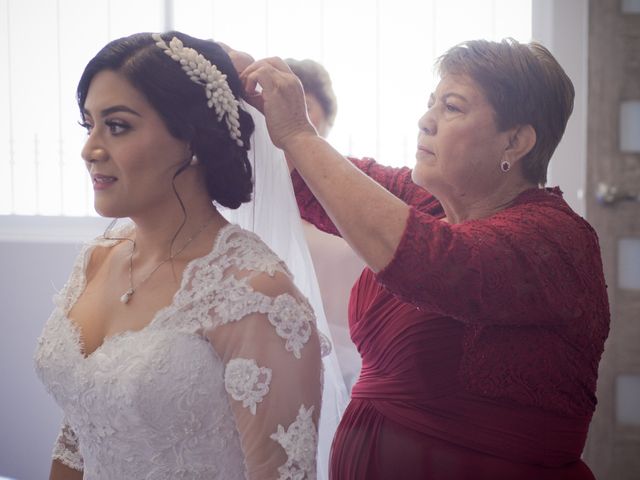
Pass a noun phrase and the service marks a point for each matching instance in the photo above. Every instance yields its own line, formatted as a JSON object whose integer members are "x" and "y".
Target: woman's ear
{"x": 522, "y": 139}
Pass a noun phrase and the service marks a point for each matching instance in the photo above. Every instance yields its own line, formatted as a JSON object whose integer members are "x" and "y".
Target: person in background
{"x": 337, "y": 266}
{"x": 179, "y": 347}
{"x": 482, "y": 314}
{"x": 322, "y": 105}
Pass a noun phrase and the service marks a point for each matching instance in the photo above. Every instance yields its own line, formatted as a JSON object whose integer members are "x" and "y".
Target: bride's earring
{"x": 194, "y": 160}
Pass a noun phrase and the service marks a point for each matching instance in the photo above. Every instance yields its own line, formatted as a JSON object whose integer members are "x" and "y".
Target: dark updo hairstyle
{"x": 182, "y": 104}
{"x": 525, "y": 84}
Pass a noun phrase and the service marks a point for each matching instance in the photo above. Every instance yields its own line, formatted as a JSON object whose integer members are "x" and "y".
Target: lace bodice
{"x": 224, "y": 383}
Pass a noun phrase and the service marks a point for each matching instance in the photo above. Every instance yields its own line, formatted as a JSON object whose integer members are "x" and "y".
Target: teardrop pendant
{"x": 126, "y": 296}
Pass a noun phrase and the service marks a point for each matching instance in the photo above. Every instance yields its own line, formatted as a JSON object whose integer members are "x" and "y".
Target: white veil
{"x": 273, "y": 215}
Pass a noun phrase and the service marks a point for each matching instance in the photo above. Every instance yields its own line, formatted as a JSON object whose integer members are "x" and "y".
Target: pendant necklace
{"x": 126, "y": 296}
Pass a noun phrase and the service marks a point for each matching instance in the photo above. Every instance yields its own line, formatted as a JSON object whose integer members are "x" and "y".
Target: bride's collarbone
{"x": 99, "y": 312}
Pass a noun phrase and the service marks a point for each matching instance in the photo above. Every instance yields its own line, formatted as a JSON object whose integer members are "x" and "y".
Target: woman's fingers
{"x": 240, "y": 60}
{"x": 272, "y": 88}
{"x": 266, "y": 73}
{"x": 256, "y": 101}
{"x": 271, "y": 62}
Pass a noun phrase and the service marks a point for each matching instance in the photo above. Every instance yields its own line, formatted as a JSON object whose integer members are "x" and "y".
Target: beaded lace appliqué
{"x": 246, "y": 382}
{"x": 291, "y": 318}
{"x": 299, "y": 441}
{"x": 65, "y": 449}
{"x": 292, "y": 321}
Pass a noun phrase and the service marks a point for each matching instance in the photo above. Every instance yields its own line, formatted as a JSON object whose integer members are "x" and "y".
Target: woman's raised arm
{"x": 367, "y": 216}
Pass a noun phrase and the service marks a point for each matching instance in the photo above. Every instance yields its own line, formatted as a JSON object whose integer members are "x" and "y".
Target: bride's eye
{"x": 117, "y": 127}
{"x": 86, "y": 125}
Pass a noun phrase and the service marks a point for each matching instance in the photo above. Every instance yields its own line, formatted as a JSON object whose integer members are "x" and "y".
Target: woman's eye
{"x": 451, "y": 108}
{"x": 86, "y": 125}
{"x": 116, "y": 127}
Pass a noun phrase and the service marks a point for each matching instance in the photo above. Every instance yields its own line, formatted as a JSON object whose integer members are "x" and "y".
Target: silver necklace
{"x": 126, "y": 296}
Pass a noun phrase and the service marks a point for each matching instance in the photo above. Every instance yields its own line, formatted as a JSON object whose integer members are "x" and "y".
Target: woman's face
{"x": 459, "y": 145}
{"x": 316, "y": 115}
{"x": 130, "y": 154}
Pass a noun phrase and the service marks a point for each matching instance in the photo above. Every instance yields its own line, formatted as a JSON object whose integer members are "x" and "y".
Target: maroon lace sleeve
{"x": 396, "y": 180}
{"x": 535, "y": 263}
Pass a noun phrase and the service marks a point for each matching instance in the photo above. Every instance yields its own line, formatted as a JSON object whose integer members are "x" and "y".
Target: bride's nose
{"x": 92, "y": 152}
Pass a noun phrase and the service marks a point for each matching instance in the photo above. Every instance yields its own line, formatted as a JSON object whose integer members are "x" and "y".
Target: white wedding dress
{"x": 224, "y": 383}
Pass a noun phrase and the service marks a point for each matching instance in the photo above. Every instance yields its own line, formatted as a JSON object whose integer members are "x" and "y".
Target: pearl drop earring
{"x": 194, "y": 160}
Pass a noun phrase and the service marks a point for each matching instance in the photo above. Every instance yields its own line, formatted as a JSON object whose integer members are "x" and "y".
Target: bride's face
{"x": 130, "y": 154}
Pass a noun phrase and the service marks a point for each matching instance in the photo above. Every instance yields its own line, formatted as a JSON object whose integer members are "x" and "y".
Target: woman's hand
{"x": 240, "y": 60}
{"x": 59, "y": 471}
{"x": 275, "y": 90}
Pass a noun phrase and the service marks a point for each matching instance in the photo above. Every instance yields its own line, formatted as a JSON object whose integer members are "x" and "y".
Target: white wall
{"x": 29, "y": 419}
{"x": 562, "y": 26}
{"x": 36, "y": 256}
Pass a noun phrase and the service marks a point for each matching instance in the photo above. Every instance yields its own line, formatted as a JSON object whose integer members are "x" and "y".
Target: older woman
{"x": 483, "y": 314}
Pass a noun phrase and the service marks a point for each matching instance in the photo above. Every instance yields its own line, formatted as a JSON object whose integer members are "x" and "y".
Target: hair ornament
{"x": 204, "y": 73}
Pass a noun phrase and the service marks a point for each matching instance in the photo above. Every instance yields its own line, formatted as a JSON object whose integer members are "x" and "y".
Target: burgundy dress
{"x": 480, "y": 343}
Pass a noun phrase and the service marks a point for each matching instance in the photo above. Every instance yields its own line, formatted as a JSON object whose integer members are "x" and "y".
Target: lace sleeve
{"x": 397, "y": 180}
{"x": 271, "y": 353}
{"x": 66, "y": 448}
{"x": 526, "y": 265}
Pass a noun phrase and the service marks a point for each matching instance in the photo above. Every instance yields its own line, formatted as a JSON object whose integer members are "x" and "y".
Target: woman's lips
{"x": 102, "y": 182}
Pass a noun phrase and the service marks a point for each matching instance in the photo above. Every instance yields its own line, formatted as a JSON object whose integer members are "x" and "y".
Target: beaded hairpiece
{"x": 204, "y": 73}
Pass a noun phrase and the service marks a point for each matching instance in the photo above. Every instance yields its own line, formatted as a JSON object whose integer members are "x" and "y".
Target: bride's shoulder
{"x": 247, "y": 251}
{"x": 96, "y": 251}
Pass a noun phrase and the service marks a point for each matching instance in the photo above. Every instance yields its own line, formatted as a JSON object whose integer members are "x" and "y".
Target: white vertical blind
{"x": 379, "y": 54}
{"x": 44, "y": 46}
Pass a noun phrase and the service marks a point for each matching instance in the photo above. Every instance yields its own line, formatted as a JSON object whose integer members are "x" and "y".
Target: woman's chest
{"x": 100, "y": 313}
{"x": 145, "y": 370}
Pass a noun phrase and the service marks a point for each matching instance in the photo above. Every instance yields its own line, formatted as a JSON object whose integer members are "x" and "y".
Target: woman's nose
{"x": 427, "y": 123}
{"x": 92, "y": 152}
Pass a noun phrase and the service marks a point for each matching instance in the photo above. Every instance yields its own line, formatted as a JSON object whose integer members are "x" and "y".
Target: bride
{"x": 180, "y": 346}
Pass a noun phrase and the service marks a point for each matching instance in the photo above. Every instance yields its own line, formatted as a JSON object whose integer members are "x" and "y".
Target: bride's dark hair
{"x": 182, "y": 104}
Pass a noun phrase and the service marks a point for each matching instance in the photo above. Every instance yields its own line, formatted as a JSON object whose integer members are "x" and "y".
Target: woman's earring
{"x": 505, "y": 166}
{"x": 194, "y": 160}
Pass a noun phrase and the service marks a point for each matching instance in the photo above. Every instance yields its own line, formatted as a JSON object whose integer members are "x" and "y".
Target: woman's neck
{"x": 461, "y": 208}
{"x": 161, "y": 235}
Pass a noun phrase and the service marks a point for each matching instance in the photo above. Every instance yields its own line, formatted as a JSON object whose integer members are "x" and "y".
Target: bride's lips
{"x": 102, "y": 182}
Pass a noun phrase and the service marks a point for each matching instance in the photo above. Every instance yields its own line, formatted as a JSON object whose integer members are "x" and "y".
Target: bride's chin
{"x": 108, "y": 212}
